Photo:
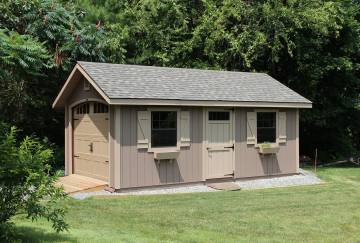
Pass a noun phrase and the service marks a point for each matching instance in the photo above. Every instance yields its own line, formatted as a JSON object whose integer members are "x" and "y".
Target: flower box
{"x": 268, "y": 149}
{"x": 166, "y": 155}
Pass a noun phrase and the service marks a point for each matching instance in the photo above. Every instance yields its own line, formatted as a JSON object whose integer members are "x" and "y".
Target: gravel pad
{"x": 304, "y": 178}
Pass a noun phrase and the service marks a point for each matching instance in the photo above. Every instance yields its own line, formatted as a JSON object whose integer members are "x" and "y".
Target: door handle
{"x": 91, "y": 147}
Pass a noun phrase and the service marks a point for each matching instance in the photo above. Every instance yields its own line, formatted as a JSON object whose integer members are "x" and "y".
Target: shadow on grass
{"x": 32, "y": 234}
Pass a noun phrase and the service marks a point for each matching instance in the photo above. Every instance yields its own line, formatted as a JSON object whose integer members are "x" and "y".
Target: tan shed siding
{"x": 80, "y": 94}
{"x": 117, "y": 131}
{"x": 248, "y": 162}
{"x": 138, "y": 167}
{"x": 112, "y": 145}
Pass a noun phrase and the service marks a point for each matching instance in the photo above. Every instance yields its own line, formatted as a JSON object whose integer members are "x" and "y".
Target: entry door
{"x": 220, "y": 143}
{"x": 90, "y": 146}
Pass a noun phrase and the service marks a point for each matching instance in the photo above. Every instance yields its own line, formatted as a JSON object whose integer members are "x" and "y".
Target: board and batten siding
{"x": 138, "y": 167}
{"x": 249, "y": 163}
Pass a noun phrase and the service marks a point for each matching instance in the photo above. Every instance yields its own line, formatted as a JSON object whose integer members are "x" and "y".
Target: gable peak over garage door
{"x": 76, "y": 76}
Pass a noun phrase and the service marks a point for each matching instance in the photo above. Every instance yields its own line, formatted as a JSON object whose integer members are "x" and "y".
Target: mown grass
{"x": 320, "y": 213}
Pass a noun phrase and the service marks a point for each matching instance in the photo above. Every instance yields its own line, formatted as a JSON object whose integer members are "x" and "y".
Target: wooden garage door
{"x": 91, "y": 153}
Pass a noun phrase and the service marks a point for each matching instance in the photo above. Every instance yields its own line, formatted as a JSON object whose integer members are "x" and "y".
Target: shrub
{"x": 26, "y": 185}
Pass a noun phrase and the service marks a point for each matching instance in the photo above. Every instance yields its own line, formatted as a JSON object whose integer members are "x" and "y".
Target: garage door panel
{"x": 90, "y": 144}
{"x": 91, "y": 168}
{"x": 99, "y": 126}
{"x": 97, "y": 158}
{"x": 97, "y": 146}
{"x": 91, "y": 137}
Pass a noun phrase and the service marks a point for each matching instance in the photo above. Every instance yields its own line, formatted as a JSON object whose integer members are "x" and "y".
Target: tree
{"x": 56, "y": 29}
{"x": 311, "y": 46}
{"x": 26, "y": 184}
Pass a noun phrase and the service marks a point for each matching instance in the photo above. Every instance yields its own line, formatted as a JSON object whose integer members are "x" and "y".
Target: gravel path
{"x": 304, "y": 178}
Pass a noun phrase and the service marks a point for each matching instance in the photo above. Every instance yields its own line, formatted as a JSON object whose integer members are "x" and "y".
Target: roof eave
{"x": 216, "y": 103}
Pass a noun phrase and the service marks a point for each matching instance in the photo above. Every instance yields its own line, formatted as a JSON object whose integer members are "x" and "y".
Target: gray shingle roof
{"x": 149, "y": 82}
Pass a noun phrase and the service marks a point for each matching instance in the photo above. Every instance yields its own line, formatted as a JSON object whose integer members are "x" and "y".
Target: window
{"x": 163, "y": 128}
{"x": 82, "y": 109}
{"x": 219, "y": 116}
{"x": 266, "y": 127}
{"x": 100, "y": 108}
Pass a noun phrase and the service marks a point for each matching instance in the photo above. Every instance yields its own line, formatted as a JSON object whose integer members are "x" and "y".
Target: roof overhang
{"x": 159, "y": 102}
{"x": 64, "y": 93}
{"x": 69, "y": 85}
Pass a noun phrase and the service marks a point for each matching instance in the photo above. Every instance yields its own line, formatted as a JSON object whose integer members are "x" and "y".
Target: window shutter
{"x": 143, "y": 129}
{"x": 282, "y": 127}
{"x": 185, "y": 128}
{"x": 251, "y": 127}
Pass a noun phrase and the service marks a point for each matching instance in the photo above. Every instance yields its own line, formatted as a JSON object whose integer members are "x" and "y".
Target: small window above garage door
{"x": 83, "y": 108}
{"x": 100, "y": 108}
{"x": 91, "y": 108}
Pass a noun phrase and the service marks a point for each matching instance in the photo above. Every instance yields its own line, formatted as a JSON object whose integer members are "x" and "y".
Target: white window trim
{"x": 277, "y": 126}
{"x": 178, "y": 135}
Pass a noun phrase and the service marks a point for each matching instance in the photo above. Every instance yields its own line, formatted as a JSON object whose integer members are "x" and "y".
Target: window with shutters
{"x": 163, "y": 129}
{"x": 266, "y": 127}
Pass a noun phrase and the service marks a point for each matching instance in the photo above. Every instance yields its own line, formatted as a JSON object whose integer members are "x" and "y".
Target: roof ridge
{"x": 177, "y": 68}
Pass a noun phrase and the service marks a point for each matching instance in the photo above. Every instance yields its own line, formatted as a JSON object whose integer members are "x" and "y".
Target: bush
{"x": 26, "y": 184}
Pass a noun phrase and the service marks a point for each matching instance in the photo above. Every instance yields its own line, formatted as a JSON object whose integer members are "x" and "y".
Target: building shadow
{"x": 169, "y": 171}
{"x": 270, "y": 164}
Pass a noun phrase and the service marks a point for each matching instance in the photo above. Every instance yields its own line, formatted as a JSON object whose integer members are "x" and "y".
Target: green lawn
{"x": 322, "y": 213}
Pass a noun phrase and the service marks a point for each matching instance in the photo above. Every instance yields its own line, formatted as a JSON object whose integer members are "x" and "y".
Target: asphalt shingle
{"x": 120, "y": 81}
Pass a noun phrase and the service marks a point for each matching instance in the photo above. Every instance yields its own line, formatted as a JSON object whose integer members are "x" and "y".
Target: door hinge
{"x": 75, "y": 119}
{"x": 76, "y": 156}
{"x": 230, "y": 146}
{"x": 231, "y": 174}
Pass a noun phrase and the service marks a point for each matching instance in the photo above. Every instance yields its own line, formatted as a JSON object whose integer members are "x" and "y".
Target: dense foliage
{"x": 311, "y": 46}
{"x": 40, "y": 41}
{"x": 26, "y": 186}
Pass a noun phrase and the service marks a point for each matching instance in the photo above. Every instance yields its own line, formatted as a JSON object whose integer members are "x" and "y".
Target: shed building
{"x": 139, "y": 126}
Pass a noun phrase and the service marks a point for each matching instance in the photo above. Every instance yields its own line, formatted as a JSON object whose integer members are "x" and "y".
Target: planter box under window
{"x": 166, "y": 155}
{"x": 268, "y": 149}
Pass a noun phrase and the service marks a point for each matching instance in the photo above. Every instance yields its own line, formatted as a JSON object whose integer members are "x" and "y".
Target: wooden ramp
{"x": 78, "y": 183}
